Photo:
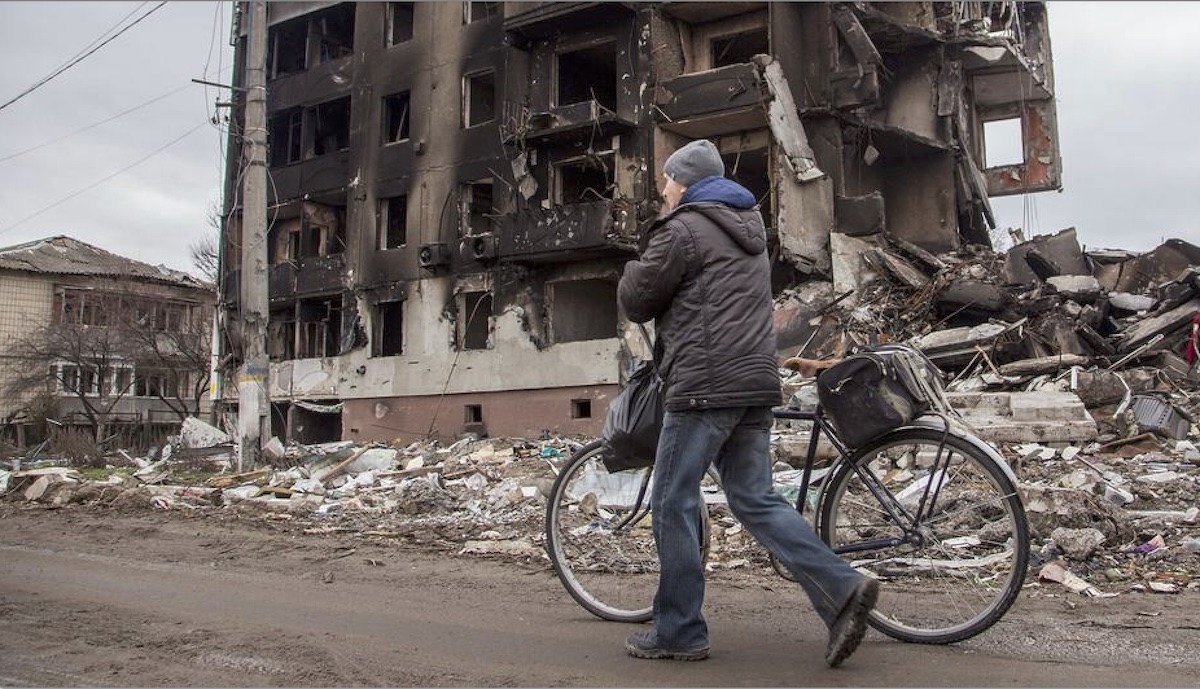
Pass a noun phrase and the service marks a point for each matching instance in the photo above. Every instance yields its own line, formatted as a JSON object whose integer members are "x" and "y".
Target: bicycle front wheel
{"x": 599, "y": 538}
{"x": 939, "y": 524}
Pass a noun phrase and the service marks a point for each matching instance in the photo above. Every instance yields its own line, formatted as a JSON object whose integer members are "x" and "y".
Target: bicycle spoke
{"x": 939, "y": 524}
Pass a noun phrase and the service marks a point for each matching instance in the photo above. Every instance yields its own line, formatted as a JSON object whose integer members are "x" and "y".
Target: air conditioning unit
{"x": 480, "y": 248}
{"x": 433, "y": 256}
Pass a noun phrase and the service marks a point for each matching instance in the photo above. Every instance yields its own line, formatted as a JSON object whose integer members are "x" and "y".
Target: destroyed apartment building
{"x": 99, "y": 344}
{"x": 455, "y": 187}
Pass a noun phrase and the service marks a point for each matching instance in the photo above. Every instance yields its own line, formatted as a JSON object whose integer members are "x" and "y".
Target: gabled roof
{"x": 63, "y": 255}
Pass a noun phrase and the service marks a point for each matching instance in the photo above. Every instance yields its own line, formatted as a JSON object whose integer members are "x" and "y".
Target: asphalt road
{"x": 149, "y": 599}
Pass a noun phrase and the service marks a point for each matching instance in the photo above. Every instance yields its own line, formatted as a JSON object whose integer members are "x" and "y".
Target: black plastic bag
{"x": 634, "y": 421}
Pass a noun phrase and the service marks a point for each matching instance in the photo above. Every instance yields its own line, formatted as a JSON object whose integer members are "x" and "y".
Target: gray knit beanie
{"x": 695, "y": 161}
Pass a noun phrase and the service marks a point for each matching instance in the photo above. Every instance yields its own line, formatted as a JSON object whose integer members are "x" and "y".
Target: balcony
{"x": 713, "y": 102}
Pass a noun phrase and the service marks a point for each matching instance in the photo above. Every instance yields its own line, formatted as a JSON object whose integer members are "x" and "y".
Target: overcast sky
{"x": 142, "y": 184}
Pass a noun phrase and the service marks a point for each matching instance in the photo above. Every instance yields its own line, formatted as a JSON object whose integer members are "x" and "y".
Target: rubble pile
{"x": 1115, "y": 331}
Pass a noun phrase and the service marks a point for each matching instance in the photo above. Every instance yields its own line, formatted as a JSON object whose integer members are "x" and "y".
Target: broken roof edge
{"x": 63, "y": 255}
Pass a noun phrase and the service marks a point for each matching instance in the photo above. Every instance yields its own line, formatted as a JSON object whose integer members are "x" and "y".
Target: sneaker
{"x": 643, "y": 645}
{"x": 851, "y": 624}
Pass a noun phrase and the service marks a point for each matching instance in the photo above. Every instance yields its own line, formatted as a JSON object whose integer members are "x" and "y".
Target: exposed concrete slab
{"x": 1010, "y": 417}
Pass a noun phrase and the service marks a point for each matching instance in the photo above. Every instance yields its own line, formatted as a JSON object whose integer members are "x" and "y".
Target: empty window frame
{"x": 331, "y": 126}
{"x": 393, "y": 222}
{"x": 281, "y": 334}
{"x": 478, "y": 11}
{"x": 581, "y": 409}
{"x": 479, "y": 98}
{"x": 588, "y": 74}
{"x": 739, "y": 48}
{"x": 583, "y": 310}
{"x": 1003, "y": 143}
{"x": 334, "y": 29}
{"x": 474, "y": 320}
{"x": 472, "y": 413}
{"x": 399, "y": 22}
{"x": 582, "y": 180}
{"x": 286, "y": 136}
{"x": 287, "y": 50}
{"x": 77, "y": 380}
{"x": 395, "y": 117}
{"x": 387, "y": 337}
{"x": 477, "y": 207}
{"x": 319, "y": 327}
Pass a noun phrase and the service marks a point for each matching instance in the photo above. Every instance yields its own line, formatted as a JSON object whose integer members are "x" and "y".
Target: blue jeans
{"x": 738, "y": 440}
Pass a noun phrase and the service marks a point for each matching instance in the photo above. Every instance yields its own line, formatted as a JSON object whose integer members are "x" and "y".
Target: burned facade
{"x": 456, "y": 186}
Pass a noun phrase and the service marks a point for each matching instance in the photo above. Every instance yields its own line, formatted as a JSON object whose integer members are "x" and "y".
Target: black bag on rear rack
{"x": 871, "y": 392}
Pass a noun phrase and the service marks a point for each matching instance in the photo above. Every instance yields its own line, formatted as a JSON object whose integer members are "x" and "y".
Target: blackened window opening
{"x": 400, "y": 22}
{"x": 320, "y": 326}
{"x": 331, "y": 126}
{"x": 739, "y": 48}
{"x": 588, "y": 74}
{"x": 477, "y": 207}
{"x": 288, "y": 49}
{"x": 335, "y": 27}
{"x": 585, "y": 180}
{"x": 286, "y": 136}
{"x": 394, "y": 223}
{"x": 479, "y": 97}
{"x": 388, "y": 339}
{"x": 475, "y": 318}
{"x": 395, "y": 114}
{"x": 478, "y": 11}
{"x": 750, "y": 169}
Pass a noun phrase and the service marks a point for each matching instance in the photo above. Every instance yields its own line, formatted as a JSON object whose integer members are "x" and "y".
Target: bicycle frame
{"x": 895, "y": 511}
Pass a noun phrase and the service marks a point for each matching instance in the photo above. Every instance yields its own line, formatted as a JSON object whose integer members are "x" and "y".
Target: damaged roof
{"x": 62, "y": 255}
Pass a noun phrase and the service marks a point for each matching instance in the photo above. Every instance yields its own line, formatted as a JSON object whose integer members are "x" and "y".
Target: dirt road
{"x": 96, "y": 597}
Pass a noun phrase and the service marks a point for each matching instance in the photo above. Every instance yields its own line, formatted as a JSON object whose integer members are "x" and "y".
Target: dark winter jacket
{"x": 704, "y": 277}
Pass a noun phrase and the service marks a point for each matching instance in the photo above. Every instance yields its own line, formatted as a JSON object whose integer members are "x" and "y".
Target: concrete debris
{"x": 195, "y": 434}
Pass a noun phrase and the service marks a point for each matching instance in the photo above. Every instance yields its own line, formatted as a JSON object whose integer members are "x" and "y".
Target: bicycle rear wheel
{"x": 599, "y": 536}
{"x": 939, "y": 524}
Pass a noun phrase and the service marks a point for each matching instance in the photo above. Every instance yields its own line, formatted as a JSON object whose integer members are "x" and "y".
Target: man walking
{"x": 704, "y": 277}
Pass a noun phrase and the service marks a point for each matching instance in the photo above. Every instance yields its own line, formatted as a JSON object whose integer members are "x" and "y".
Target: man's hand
{"x": 808, "y": 367}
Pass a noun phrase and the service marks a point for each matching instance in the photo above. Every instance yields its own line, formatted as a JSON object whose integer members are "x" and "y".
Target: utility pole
{"x": 252, "y": 303}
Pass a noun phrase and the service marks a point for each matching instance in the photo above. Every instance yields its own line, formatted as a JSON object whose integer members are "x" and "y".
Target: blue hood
{"x": 719, "y": 190}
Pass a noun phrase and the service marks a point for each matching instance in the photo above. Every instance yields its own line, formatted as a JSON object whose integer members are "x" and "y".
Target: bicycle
{"x": 930, "y": 510}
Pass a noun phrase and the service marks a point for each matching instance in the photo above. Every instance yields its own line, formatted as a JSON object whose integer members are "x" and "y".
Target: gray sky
{"x": 1124, "y": 73}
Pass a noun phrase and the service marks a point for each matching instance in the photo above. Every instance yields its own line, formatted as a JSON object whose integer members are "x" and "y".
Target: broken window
{"x": 77, "y": 380}
{"x": 395, "y": 117}
{"x": 739, "y": 48}
{"x": 122, "y": 381}
{"x": 479, "y": 98}
{"x": 399, "y": 22}
{"x": 331, "y": 126}
{"x": 583, "y": 310}
{"x": 319, "y": 325}
{"x": 387, "y": 338}
{"x": 281, "y": 334}
{"x": 588, "y": 74}
{"x": 1003, "y": 143}
{"x": 581, "y": 180}
{"x": 393, "y": 222}
{"x": 288, "y": 47}
{"x": 285, "y": 133}
{"x": 473, "y": 413}
{"x": 335, "y": 30}
{"x": 478, "y": 11}
{"x": 474, "y": 320}
{"x": 477, "y": 207}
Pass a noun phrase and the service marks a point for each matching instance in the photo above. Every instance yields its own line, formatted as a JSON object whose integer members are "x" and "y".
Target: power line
{"x": 31, "y": 149}
{"x": 80, "y": 58}
{"x": 93, "y": 185}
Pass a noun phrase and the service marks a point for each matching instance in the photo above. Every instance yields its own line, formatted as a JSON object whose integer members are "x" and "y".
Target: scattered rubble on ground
{"x": 1078, "y": 366}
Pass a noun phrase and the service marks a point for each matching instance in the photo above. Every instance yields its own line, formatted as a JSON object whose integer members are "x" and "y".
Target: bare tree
{"x": 205, "y": 252}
